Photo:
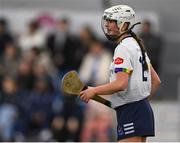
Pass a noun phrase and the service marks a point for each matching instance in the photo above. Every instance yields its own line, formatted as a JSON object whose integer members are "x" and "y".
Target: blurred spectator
{"x": 98, "y": 124}
{"x": 43, "y": 58}
{"x": 68, "y": 125}
{"x": 86, "y": 37}
{"x": 10, "y": 59}
{"x": 5, "y": 35}
{"x": 37, "y": 107}
{"x": 39, "y": 71}
{"x": 153, "y": 44}
{"x": 57, "y": 128}
{"x": 9, "y": 92}
{"x": 32, "y": 55}
{"x": 33, "y": 37}
{"x": 8, "y": 115}
{"x": 8, "y": 108}
{"x": 46, "y": 21}
{"x": 63, "y": 45}
{"x": 25, "y": 77}
{"x": 109, "y": 45}
{"x": 94, "y": 69}
{"x": 46, "y": 61}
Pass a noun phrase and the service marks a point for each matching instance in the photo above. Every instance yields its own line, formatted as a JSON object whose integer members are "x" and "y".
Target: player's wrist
{"x": 95, "y": 91}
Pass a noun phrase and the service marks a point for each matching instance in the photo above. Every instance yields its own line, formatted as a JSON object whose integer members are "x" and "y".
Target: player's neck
{"x": 122, "y": 37}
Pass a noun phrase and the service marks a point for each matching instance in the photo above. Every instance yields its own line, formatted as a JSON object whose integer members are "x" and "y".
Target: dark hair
{"x": 3, "y": 21}
{"x": 90, "y": 31}
{"x": 143, "y": 50}
{"x": 147, "y": 22}
{"x": 34, "y": 24}
{"x": 64, "y": 20}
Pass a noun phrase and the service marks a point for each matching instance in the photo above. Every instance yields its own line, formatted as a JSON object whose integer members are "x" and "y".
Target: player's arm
{"x": 155, "y": 81}
{"x": 119, "y": 84}
{"x": 122, "y": 68}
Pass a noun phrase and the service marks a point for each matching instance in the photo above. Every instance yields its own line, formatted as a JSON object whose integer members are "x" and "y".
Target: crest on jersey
{"x": 120, "y": 131}
{"x": 118, "y": 61}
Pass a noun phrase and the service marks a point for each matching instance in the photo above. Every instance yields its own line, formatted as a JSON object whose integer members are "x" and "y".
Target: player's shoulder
{"x": 128, "y": 44}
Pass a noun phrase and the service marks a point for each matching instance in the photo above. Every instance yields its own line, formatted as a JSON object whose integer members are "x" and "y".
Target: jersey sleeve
{"x": 122, "y": 60}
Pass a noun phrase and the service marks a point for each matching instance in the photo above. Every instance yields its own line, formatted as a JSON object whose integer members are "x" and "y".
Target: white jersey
{"x": 127, "y": 58}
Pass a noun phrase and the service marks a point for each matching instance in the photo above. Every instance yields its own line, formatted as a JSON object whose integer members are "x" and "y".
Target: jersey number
{"x": 143, "y": 70}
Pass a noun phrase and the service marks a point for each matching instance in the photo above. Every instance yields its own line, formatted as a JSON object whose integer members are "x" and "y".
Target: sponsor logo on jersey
{"x": 118, "y": 61}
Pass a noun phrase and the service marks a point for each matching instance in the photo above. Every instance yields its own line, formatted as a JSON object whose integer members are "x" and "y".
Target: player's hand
{"x": 87, "y": 94}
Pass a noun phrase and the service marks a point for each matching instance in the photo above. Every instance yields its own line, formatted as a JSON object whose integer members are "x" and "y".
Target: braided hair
{"x": 143, "y": 50}
{"x": 139, "y": 41}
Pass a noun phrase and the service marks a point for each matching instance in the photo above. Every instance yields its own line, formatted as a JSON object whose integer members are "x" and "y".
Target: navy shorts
{"x": 135, "y": 119}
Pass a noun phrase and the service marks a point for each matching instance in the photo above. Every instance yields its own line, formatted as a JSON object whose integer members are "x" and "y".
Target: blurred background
{"x": 41, "y": 40}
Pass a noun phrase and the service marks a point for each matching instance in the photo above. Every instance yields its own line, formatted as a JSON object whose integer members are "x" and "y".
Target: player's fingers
{"x": 86, "y": 100}
{"x": 83, "y": 97}
{"x": 81, "y": 93}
